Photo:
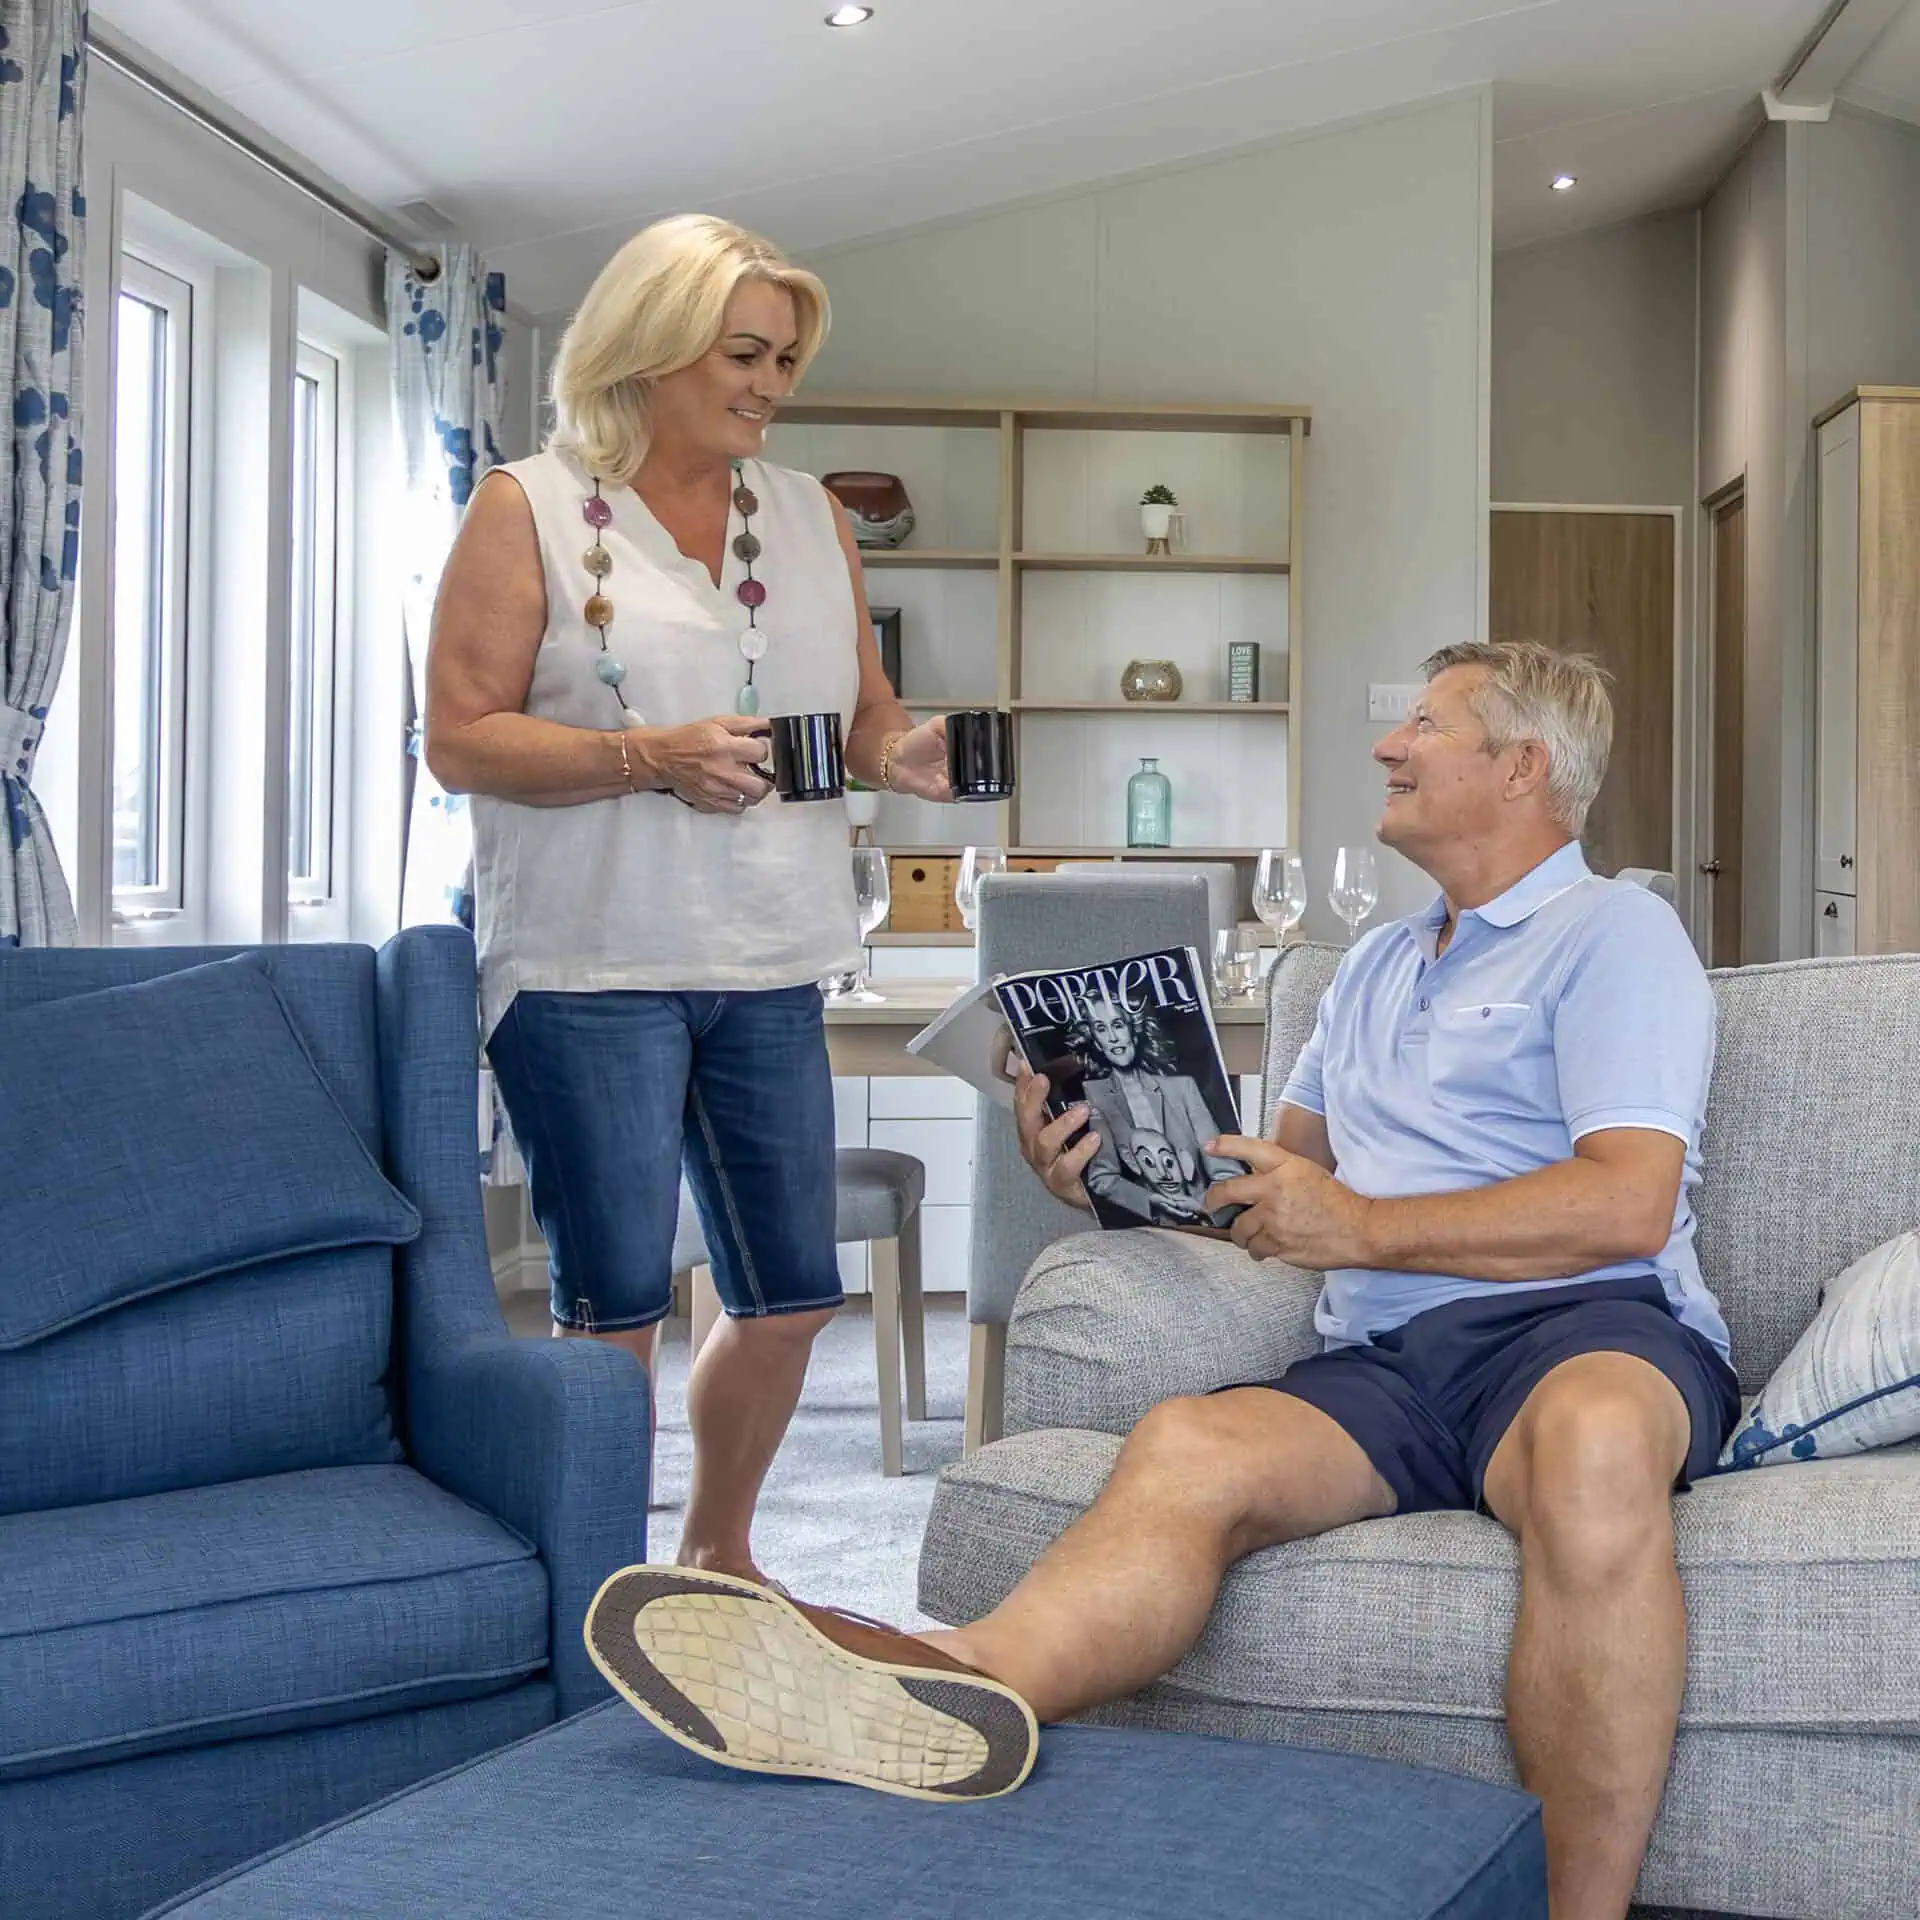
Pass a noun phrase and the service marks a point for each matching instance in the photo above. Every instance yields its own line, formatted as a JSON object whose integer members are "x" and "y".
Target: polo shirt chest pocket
{"x": 1479, "y": 1051}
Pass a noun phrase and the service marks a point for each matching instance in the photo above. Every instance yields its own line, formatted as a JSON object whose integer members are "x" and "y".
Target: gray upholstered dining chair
{"x": 1082, "y": 917}
{"x": 1652, "y": 878}
{"x": 878, "y": 1194}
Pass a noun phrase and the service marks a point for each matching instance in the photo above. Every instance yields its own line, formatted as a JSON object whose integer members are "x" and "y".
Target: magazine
{"x": 1133, "y": 1039}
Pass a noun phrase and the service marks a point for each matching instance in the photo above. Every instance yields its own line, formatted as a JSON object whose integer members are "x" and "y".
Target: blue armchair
{"x": 279, "y": 1542}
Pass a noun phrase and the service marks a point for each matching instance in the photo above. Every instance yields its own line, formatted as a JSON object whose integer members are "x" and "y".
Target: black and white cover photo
{"x": 1135, "y": 1040}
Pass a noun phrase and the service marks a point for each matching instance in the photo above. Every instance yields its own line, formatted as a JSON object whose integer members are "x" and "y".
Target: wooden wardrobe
{"x": 1866, "y": 886}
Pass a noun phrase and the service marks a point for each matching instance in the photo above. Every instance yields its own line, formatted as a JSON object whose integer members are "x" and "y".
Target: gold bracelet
{"x": 887, "y": 749}
{"x": 626, "y": 765}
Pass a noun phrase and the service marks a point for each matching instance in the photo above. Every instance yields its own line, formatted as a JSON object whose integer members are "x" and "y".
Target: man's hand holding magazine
{"x": 1296, "y": 1210}
{"x": 1049, "y": 1146}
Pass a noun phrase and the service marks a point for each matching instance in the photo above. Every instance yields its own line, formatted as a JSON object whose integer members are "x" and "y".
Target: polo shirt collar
{"x": 1552, "y": 877}
{"x": 1562, "y": 869}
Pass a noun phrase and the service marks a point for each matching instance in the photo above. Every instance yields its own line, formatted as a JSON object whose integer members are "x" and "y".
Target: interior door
{"x": 1727, "y": 732}
{"x": 1602, "y": 583}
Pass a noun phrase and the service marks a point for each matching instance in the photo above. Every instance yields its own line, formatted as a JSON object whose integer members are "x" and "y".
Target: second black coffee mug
{"x": 980, "y": 754}
{"x": 808, "y": 763}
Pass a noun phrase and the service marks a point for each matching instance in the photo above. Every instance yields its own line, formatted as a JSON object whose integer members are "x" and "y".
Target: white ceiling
{"x": 1888, "y": 79}
{"x": 548, "y": 130}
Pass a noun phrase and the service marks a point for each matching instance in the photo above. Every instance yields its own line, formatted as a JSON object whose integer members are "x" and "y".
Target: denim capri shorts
{"x": 611, "y": 1095}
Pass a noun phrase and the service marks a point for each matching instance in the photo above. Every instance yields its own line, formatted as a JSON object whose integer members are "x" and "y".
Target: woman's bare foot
{"x": 704, "y": 1561}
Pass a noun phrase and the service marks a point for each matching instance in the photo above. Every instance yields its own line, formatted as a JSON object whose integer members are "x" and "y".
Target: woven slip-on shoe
{"x": 753, "y": 1680}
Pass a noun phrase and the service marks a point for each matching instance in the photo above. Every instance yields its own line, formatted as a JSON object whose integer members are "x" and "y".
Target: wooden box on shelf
{"x": 923, "y": 899}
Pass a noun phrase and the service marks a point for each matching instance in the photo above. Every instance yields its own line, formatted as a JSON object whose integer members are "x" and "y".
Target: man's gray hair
{"x": 1532, "y": 692}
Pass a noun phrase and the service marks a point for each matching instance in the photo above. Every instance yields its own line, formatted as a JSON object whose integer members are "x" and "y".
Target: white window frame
{"x": 320, "y": 887}
{"x": 142, "y": 280}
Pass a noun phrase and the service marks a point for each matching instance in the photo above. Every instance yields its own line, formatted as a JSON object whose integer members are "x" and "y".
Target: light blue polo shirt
{"x": 1568, "y": 1004}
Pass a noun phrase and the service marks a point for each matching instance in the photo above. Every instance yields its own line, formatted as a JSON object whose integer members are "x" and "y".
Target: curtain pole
{"x": 426, "y": 267}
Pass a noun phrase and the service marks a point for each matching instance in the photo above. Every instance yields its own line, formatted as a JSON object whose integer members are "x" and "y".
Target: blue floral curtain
{"x": 446, "y": 337}
{"x": 43, "y": 68}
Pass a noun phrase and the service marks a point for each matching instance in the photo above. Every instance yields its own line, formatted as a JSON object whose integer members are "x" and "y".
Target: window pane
{"x": 139, "y": 631}
{"x": 304, "y": 712}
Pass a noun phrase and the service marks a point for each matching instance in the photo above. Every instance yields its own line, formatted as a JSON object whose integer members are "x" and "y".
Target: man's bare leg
{"x": 1126, "y": 1590}
{"x": 1584, "y": 1477}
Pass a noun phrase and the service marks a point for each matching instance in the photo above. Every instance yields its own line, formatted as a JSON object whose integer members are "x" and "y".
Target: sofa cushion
{"x": 1799, "y": 1592}
{"x": 1811, "y": 1154}
{"x": 163, "y": 1131}
{"x": 1852, "y": 1380}
{"x": 1110, "y": 1324}
{"x": 257, "y": 1607}
{"x": 275, "y": 1368}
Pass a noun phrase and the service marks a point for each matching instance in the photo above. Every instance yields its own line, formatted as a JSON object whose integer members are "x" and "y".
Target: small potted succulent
{"x": 1157, "y": 506}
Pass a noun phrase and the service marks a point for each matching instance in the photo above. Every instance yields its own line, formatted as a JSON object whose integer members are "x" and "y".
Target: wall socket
{"x": 1393, "y": 703}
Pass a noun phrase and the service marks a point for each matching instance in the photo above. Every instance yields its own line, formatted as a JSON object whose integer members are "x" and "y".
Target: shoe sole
{"x": 737, "y": 1674}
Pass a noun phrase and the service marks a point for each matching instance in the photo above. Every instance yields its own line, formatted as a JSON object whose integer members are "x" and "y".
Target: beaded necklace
{"x": 751, "y": 593}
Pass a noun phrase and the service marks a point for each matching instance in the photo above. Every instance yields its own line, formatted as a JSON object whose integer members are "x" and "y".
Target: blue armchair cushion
{"x": 165, "y": 1131}
{"x": 281, "y": 1366}
{"x": 303, "y": 1600}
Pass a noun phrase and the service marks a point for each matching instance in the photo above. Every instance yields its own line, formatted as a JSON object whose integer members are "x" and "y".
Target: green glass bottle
{"x": 1149, "y": 807}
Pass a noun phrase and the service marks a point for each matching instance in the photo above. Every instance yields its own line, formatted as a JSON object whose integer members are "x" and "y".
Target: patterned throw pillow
{"x": 1852, "y": 1380}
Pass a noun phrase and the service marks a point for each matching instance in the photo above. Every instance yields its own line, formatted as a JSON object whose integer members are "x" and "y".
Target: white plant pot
{"x": 1156, "y": 522}
{"x": 862, "y": 809}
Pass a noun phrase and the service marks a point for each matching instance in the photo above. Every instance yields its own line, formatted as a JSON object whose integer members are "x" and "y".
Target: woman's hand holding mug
{"x": 715, "y": 765}
{"x": 919, "y": 763}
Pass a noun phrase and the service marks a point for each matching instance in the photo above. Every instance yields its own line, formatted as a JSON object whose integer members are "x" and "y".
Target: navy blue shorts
{"x": 1429, "y": 1401}
{"x": 612, "y": 1094}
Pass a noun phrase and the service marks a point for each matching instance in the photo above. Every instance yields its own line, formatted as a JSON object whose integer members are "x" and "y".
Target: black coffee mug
{"x": 980, "y": 754}
{"x": 808, "y": 763}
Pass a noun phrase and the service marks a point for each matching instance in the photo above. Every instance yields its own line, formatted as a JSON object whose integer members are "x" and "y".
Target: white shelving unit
{"x": 1024, "y": 586}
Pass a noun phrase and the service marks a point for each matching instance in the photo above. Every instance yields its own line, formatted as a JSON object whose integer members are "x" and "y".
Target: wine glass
{"x": 1236, "y": 962}
{"x": 873, "y": 895}
{"x": 1280, "y": 891}
{"x": 1356, "y": 887}
{"x": 975, "y": 864}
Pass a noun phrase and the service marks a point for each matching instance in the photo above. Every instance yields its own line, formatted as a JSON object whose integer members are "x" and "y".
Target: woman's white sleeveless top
{"x": 640, "y": 891}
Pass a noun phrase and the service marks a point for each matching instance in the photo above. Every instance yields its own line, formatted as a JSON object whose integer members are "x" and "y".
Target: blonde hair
{"x": 1531, "y": 692}
{"x": 658, "y": 306}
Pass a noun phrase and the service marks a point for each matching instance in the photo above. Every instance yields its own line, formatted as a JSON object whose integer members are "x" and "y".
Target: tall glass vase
{"x": 1149, "y": 807}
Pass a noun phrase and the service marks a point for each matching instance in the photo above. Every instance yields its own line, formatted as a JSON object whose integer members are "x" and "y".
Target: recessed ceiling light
{"x": 1564, "y": 183}
{"x": 849, "y": 16}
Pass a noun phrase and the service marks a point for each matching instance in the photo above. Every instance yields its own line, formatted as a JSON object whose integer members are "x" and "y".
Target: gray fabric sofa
{"x": 1795, "y": 1788}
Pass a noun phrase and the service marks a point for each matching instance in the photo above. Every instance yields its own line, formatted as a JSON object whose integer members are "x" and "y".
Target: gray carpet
{"x": 831, "y": 1527}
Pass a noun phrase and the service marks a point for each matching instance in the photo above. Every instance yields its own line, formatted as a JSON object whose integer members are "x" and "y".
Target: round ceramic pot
{"x": 1150, "y": 680}
{"x": 876, "y": 504}
{"x": 1156, "y": 522}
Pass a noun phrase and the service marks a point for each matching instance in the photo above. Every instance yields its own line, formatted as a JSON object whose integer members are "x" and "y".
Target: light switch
{"x": 1393, "y": 703}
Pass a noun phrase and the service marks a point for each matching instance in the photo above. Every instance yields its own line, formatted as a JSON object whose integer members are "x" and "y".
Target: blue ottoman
{"x": 599, "y": 1818}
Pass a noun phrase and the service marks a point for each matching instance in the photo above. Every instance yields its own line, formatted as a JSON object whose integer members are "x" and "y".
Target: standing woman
{"x": 615, "y": 614}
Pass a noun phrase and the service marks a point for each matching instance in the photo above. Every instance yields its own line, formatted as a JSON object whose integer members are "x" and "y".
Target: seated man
{"x": 1487, "y": 1147}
